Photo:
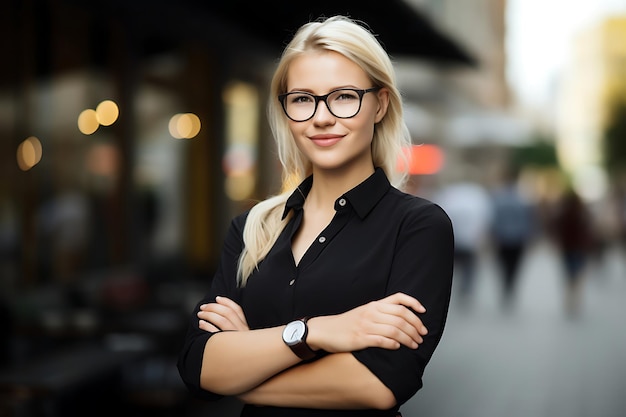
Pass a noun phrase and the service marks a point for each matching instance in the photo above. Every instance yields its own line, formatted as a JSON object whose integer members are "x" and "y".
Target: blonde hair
{"x": 354, "y": 41}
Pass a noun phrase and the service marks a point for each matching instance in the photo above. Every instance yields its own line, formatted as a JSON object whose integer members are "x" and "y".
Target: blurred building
{"x": 479, "y": 25}
{"x": 593, "y": 86}
{"x": 471, "y": 111}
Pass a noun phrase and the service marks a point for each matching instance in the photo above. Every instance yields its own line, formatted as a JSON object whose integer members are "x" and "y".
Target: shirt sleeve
{"x": 422, "y": 267}
{"x": 223, "y": 283}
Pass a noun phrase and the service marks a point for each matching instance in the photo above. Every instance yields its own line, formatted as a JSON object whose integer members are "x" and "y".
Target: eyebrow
{"x": 307, "y": 90}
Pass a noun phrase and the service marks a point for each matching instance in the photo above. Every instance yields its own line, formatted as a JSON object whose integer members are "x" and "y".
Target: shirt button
{"x": 322, "y": 239}
{"x": 292, "y": 281}
{"x": 342, "y": 202}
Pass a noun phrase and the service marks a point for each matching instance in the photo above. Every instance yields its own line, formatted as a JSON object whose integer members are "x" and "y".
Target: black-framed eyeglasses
{"x": 343, "y": 103}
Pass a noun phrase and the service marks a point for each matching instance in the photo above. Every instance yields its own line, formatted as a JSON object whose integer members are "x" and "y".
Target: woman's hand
{"x": 223, "y": 314}
{"x": 387, "y": 323}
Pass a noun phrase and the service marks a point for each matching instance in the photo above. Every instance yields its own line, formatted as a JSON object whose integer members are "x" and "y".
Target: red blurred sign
{"x": 422, "y": 159}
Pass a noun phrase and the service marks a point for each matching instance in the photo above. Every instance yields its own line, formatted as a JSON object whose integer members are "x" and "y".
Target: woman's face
{"x": 329, "y": 142}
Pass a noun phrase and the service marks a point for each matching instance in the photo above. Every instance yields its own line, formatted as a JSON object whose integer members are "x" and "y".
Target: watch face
{"x": 294, "y": 332}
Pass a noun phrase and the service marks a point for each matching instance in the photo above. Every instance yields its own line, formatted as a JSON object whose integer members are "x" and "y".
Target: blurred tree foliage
{"x": 614, "y": 143}
{"x": 541, "y": 152}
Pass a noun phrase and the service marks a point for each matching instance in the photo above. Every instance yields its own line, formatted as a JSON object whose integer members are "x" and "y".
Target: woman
{"x": 314, "y": 308}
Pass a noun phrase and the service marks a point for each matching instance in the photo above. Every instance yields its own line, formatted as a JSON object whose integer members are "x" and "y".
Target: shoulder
{"x": 413, "y": 207}
{"x": 234, "y": 234}
{"x": 238, "y": 222}
{"x": 411, "y": 215}
{"x": 419, "y": 223}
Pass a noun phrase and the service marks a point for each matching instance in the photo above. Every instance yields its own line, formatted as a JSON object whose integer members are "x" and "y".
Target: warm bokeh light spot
{"x": 107, "y": 112}
{"x": 239, "y": 187}
{"x": 173, "y": 126}
{"x": 184, "y": 125}
{"x": 88, "y": 122}
{"x": 29, "y": 153}
{"x": 422, "y": 160}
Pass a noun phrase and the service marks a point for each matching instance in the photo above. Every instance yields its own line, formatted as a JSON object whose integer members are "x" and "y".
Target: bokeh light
{"x": 29, "y": 153}
{"x": 239, "y": 187}
{"x": 184, "y": 126}
{"x": 107, "y": 112}
{"x": 88, "y": 122}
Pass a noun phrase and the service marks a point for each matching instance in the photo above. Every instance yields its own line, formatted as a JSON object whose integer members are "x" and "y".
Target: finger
{"x": 226, "y": 310}
{"x": 398, "y": 324}
{"x": 403, "y": 334}
{"x": 413, "y": 306}
{"x": 399, "y": 329}
{"x": 217, "y": 319}
{"x": 405, "y": 314}
{"x": 205, "y": 325}
{"x": 389, "y": 338}
{"x": 222, "y": 310}
{"x": 414, "y": 320}
{"x": 383, "y": 342}
{"x": 407, "y": 301}
{"x": 234, "y": 307}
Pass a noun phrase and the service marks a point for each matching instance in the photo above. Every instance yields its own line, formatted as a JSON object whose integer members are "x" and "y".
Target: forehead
{"x": 323, "y": 71}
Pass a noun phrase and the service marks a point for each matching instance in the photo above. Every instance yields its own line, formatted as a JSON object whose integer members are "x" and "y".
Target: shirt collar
{"x": 362, "y": 198}
{"x": 296, "y": 199}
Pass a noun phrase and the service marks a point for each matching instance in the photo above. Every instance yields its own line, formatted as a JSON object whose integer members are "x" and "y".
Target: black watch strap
{"x": 302, "y": 349}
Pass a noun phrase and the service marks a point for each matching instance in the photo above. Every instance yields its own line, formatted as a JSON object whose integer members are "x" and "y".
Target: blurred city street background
{"x": 131, "y": 132}
{"x": 534, "y": 360}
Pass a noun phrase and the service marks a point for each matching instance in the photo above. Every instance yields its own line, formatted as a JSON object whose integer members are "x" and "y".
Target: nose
{"x": 323, "y": 114}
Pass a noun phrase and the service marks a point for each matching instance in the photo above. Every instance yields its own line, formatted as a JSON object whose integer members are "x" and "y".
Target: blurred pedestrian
{"x": 572, "y": 230}
{"x": 314, "y": 309}
{"x": 608, "y": 226}
{"x": 512, "y": 228}
{"x": 469, "y": 207}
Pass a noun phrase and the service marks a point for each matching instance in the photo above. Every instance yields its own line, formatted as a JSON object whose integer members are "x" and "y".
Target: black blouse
{"x": 380, "y": 241}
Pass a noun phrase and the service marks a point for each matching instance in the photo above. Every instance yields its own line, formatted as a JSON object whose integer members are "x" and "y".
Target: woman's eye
{"x": 301, "y": 99}
{"x": 343, "y": 96}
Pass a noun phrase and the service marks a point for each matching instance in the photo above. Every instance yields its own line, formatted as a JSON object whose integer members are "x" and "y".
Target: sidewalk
{"x": 534, "y": 360}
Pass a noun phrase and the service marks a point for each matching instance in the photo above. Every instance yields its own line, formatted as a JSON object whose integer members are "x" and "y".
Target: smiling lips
{"x": 325, "y": 140}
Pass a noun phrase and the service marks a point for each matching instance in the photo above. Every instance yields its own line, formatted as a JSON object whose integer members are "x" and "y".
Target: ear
{"x": 383, "y": 104}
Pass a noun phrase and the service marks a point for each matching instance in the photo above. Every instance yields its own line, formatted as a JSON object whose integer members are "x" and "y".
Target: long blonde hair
{"x": 354, "y": 41}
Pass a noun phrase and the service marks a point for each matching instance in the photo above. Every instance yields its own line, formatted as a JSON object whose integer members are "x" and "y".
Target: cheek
{"x": 365, "y": 128}
{"x": 293, "y": 128}
{"x": 296, "y": 131}
{"x": 298, "y": 136}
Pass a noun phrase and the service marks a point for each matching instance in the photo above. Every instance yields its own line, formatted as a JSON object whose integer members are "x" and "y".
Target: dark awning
{"x": 401, "y": 28}
{"x": 240, "y": 27}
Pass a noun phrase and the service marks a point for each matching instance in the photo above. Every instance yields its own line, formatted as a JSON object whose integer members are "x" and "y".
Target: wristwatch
{"x": 294, "y": 336}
